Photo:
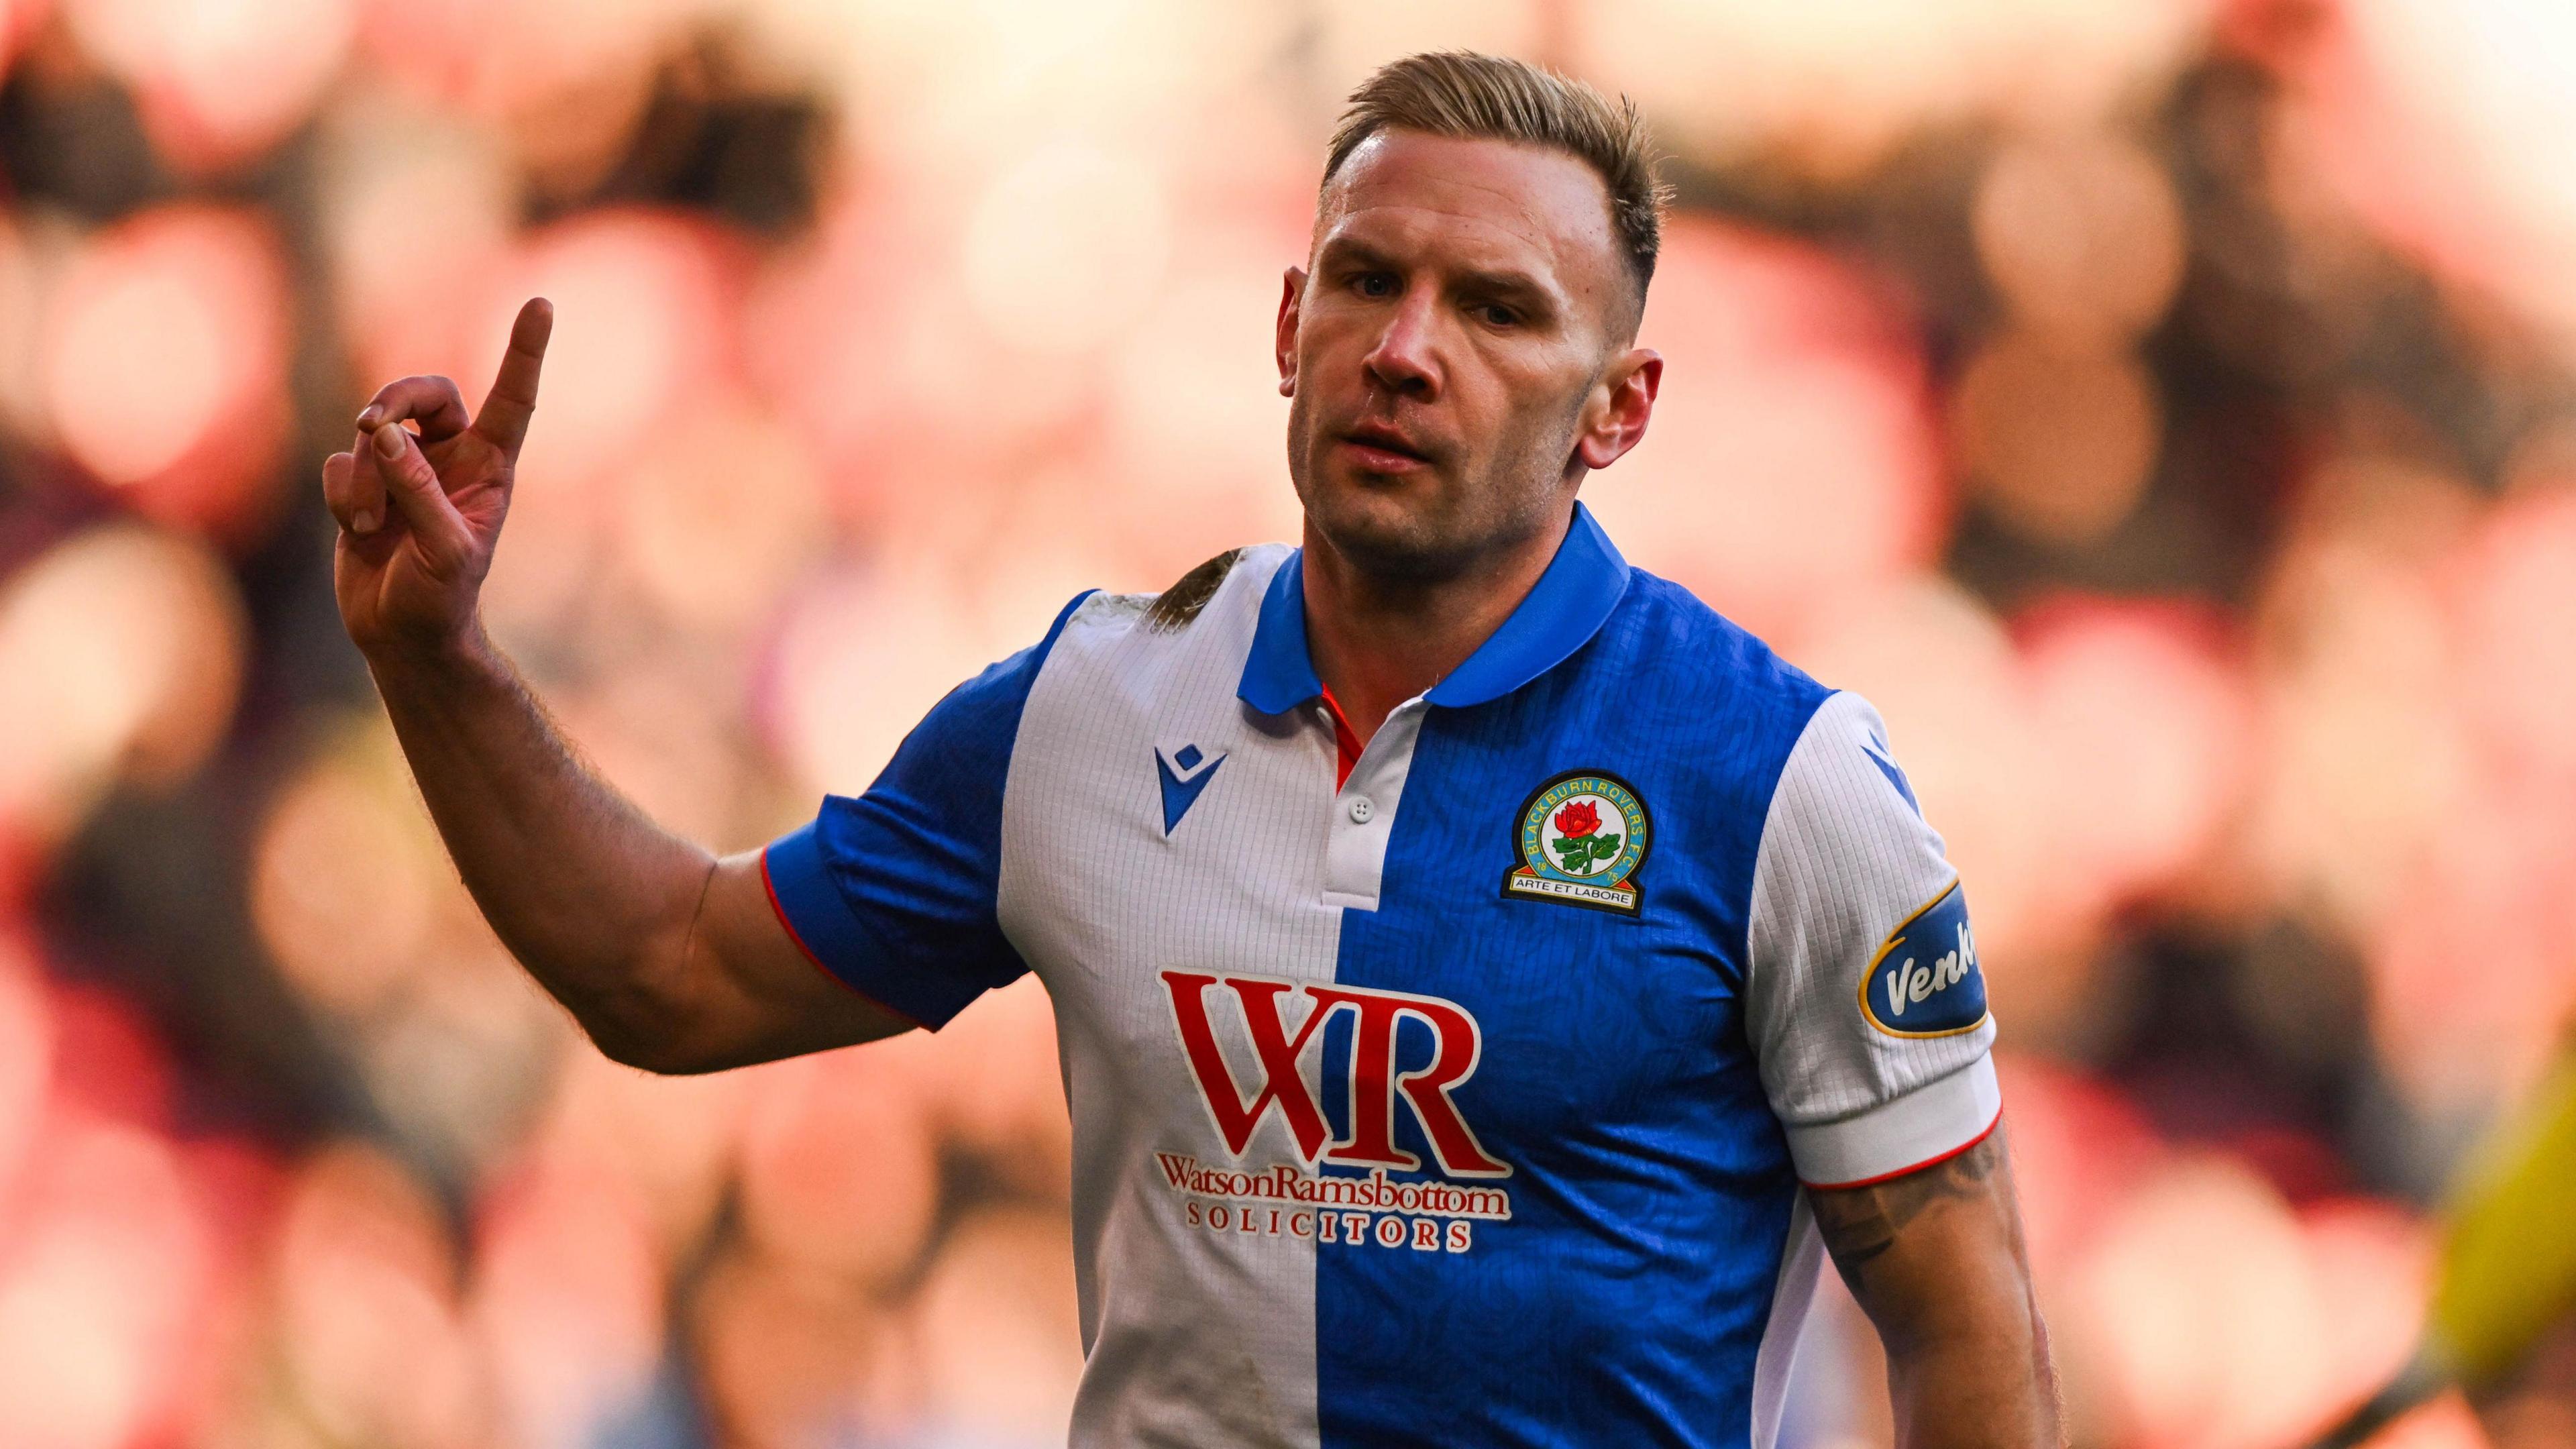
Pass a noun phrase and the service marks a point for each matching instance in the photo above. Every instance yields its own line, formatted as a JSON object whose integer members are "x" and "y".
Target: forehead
{"x": 1489, "y": 201}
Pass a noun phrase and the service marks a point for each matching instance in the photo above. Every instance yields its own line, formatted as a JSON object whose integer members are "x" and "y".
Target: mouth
{"x": 1383, "y": 450}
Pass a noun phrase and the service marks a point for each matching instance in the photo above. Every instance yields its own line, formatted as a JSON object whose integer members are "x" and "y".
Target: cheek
{"x": 1523, "y": 401}
{"x": 1301, "y": 435}
{"x": 1330, "y": 328}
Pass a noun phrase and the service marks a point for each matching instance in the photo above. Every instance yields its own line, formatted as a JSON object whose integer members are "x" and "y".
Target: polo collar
{"x": 1564, "y": 609}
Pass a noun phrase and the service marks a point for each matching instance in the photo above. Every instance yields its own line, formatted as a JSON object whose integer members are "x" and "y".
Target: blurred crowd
{"x": 2164, "y": 410}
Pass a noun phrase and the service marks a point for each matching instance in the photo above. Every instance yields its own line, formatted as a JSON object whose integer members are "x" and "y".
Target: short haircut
{"x": 1460, "y": 93}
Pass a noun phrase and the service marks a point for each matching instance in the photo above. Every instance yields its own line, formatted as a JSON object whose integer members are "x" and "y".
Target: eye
{"x": 1376, "y": 285}
{"x": 1496, "y": 314}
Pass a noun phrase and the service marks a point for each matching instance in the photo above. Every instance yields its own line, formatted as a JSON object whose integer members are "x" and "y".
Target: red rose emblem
{"x": 1579, "y": 818}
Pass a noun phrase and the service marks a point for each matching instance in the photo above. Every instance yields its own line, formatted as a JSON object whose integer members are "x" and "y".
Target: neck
{"x": 1377, "y": 641}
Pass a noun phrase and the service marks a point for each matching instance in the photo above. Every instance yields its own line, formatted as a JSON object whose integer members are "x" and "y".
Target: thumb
{"x": 444, "y": 539}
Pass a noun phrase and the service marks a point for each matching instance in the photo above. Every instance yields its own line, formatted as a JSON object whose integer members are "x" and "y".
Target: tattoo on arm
{"x": 1859, "y": 1223}
{"x": 1936, "y": 1259}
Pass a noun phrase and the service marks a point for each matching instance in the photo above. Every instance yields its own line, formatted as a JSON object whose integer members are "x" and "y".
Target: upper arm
{"x": 881, "y": 913}
{"x": 753, "y": 993}
{"x": 1935, "y": 1258}
{"x": 1935, "y": 1254}
{"x": 1867, "y": 1009}
{"x": 1864, "y": 1001}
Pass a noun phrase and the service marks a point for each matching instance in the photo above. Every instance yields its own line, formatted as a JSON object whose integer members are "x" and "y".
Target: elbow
{"x": 637, "y": 1026}
{"x": 640, "y": 1051}
{"x": 664, "y": 1054}
{"x": 632, "y": 1043}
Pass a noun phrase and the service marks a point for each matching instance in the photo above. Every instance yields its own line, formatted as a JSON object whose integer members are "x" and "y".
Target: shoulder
{"x": 1810, "y": 764}
{"x": 1230, "y": 583}
{"x": 1844, "y": 835}
{"x": 1712, "y": 682}
{"x": 1142, "y": 645}
{"x": 1696, "y": 649}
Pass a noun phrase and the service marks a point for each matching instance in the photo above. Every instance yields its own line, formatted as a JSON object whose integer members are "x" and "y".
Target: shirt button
{"x": 1363, "y": 810}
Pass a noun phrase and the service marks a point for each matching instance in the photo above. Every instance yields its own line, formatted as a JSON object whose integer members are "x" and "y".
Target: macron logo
{"x": 1887, "y": 766}
{"x": 1185, "y": 774}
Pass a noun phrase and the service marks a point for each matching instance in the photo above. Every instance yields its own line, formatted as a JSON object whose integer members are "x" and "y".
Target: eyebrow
{"x": 1510, "y": 286}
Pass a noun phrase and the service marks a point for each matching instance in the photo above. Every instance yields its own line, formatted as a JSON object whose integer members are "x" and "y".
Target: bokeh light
{"x": 998, "y": 1340}
{"x": 371, "y": 1342}
{"x": 26, "y": 1059}
{"x": 1833, "y": 87}
{"x": 641, "y": 298}
{"x": 840, "y": 1174}
{"x": 2154, "y": 690}
{"x": 2204, "y": 1301}
{"x": 1790, "y": 459}
{"x": 567, "y": 1300}
{"x": 789, "y": 1358}
{"x": 1064, "y": 246}
{"x": 418, "y": 215}
{"x": 218, "y": 80}
{"x": 2422, "y": 113}
{"x": 345, "y": 880}
{"x": 2082, "y": 235}
{"x": 99, "y": 1286}
{"x": 726, "y": 505}
{"x": 838, "y": 698}
{"x": 2519, "y": 599}
{"x": 2057, "y": 440}
{"x": 1941, "y": 670}
{"x": 163, "y": 362}
{"x": 123, "y": 648}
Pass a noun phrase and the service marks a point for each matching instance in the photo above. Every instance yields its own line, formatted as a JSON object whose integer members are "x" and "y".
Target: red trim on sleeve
{"x": 1346, "y": 741}
{"x": 780, "y": 910}
{"x": 1966, "y": 1146}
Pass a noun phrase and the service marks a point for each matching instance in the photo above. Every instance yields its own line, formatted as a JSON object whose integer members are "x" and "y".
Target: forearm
{"x": 585, "y": 890}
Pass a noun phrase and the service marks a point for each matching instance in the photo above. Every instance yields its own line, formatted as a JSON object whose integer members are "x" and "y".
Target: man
{"x": 1462, "y": 944}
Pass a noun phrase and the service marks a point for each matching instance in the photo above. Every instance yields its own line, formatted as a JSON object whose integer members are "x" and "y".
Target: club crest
{"x": 1581, "y": 840}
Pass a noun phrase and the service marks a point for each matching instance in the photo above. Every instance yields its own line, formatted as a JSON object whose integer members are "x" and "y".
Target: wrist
{"x": 464, "y": 649}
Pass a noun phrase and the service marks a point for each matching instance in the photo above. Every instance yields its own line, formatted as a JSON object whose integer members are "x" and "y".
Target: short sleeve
{"x": 893, "y": 891}
{"x": 1864, "y": 1001}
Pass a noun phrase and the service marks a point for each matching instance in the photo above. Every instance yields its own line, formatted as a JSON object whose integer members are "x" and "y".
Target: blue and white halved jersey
{"x": 1466, "y": 1101}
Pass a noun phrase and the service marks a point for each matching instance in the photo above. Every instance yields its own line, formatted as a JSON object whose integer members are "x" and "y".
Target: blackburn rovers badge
{"x": 1582, "y": 838}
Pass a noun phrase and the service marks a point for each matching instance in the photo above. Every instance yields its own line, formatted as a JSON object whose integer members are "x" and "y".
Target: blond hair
{"x": 1460, "y": 93}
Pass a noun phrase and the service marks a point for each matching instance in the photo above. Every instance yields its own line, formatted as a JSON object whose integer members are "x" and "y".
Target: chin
{"x": 1386, "y": 529}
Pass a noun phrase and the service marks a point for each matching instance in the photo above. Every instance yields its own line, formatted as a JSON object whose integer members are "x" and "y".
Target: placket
{"x": 1364, "y": 807}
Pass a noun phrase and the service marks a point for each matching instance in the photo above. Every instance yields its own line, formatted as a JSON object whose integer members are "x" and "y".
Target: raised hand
{"x": 419, "y": 515}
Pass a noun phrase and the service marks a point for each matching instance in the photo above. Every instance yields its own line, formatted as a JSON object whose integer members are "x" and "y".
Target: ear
{"x": 1617, "y": 417}
{"x": 1292, "y": 290}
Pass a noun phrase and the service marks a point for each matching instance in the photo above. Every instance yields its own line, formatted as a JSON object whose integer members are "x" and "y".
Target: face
{"x": 1458, "y": 351}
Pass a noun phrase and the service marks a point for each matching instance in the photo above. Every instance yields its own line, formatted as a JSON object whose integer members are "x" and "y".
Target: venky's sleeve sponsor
{"x": 893, "y": 891}
{"x": 1864, "y": 997}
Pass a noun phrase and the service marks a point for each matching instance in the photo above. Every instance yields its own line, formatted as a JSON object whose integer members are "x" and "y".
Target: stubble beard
{"x": 1455, "y": 526}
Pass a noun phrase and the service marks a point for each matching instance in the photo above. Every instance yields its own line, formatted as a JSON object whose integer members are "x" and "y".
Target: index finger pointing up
{"x": 513, "y": 399}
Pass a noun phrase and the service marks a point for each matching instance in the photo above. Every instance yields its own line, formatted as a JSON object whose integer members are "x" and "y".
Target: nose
{"x": 1405, "y": 361}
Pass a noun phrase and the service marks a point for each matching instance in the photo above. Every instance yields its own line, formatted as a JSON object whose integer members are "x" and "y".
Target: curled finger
{"x": 339, "y": 489}
{"x": 414, "y": 488}
{"x": 431, "y": 402}
{"x": 368, "y": 508}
